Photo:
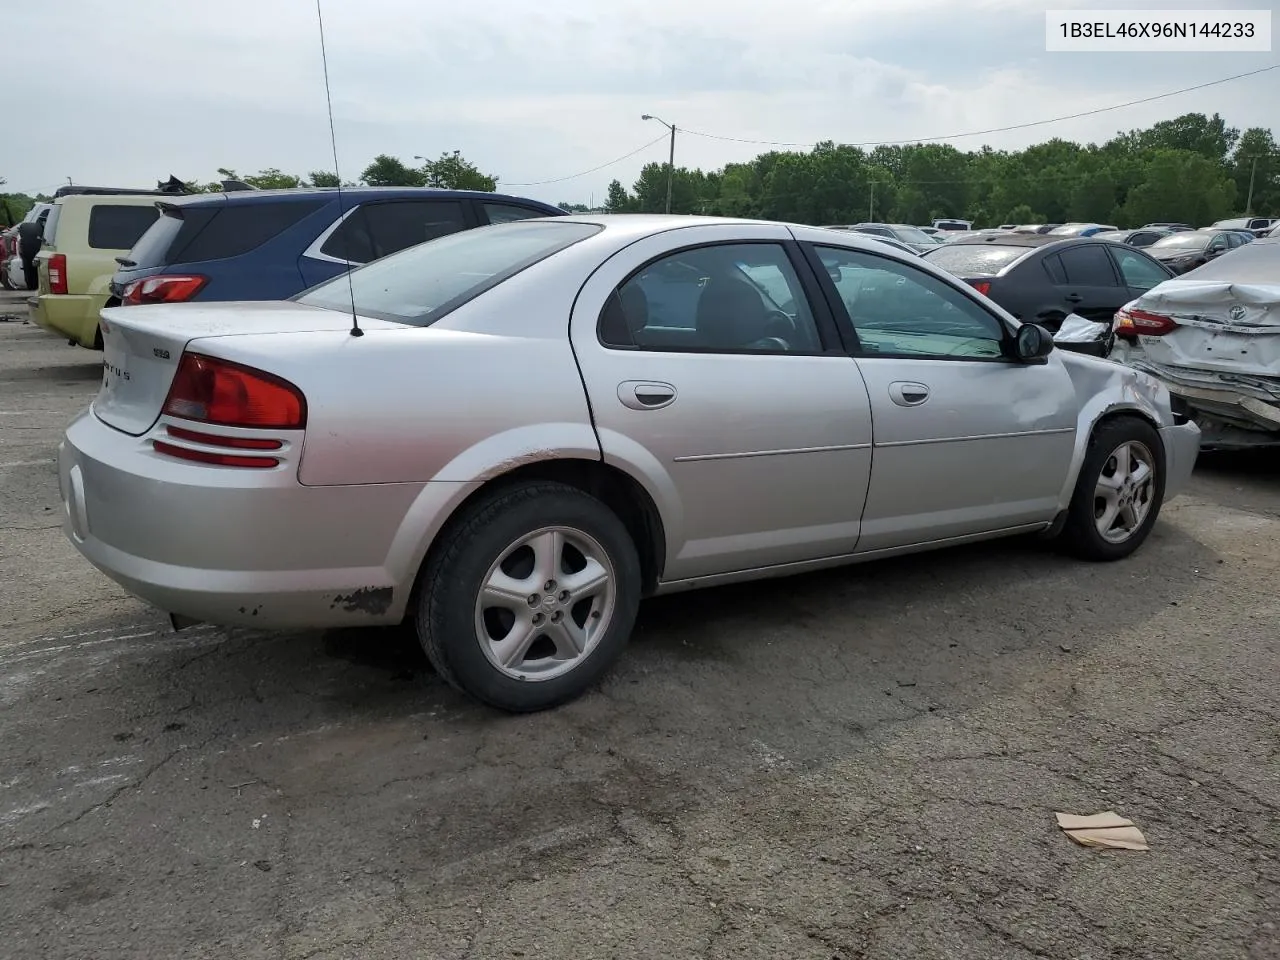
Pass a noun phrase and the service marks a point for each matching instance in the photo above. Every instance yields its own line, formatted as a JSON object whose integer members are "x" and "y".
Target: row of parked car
{"x": 93, "y": 248}
{"x": 1179, "y": 245}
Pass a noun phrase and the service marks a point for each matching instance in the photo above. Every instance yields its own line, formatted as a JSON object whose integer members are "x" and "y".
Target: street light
{"x": 671, "y": 162}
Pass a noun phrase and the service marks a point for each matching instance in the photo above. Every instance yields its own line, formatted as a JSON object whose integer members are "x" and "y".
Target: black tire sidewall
{"x": 1082, "y": 531}
{"x": 446, "y": 605}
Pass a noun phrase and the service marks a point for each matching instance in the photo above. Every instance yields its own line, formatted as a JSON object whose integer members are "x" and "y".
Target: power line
{"x": 979, "y": 133}
{"x": 575, "y": 176}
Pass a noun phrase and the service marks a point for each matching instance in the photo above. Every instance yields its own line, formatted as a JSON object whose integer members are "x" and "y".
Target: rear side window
{"x": 119, "y": 227}
{"x": 238, "y": 228}
{"x": 1088, "y": 266}
{"x": 375, "y": 230}
{"x": 974, "y": 259}
{"x": 506, "y": 212}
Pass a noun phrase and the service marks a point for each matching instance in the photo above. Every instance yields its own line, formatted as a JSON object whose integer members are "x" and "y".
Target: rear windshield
{"x": 911, "y": 235}
{"x": 420, "y": 285}
{"x": 118, "y": 227}
{"x": 1257, "y": 262}
{"x": 1182, "y": 241}
{"x": 194, "y": 233}
{"x": 974, "y": 259}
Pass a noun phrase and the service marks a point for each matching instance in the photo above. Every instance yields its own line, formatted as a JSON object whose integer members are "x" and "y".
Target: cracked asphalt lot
{"x": 859, "y": 764}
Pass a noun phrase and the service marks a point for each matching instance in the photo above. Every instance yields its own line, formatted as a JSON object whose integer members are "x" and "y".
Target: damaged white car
{"x": 1212, "y": 336}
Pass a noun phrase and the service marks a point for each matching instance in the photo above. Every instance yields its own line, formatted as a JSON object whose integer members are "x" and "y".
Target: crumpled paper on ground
{"x": 1107, "y": 829}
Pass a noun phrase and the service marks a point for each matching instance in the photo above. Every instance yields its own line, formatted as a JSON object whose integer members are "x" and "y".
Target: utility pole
{"x": 671, "y": 157}
{"x": 1248, "y": 204}
{"x": 871, "y": 207}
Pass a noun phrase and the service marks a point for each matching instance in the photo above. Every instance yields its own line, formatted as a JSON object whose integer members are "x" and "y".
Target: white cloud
{"x": 139, "y": 90}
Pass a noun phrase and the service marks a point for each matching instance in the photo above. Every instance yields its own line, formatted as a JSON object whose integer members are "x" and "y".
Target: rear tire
{"x": 529, "y": 596}
{"x": 1118, "y": 493}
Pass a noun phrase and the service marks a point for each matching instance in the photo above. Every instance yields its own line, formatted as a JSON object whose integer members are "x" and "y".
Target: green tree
{"x": 1023, "y": 214}
{"x": 453, "y": 172}
{"x": 1181, "y": 185}
{"x": 618, "y": 200}
{"x": 387, "y": 171}
{"x": 323, "y": 178}
{"x": 1257, "y": 160}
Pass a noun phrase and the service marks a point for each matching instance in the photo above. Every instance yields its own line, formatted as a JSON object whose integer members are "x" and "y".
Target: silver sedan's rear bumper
{"x": 1181, "y": 448}
{"x": 233, "y": 547}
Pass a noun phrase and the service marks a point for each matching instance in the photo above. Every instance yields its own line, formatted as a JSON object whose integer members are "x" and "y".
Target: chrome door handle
{"x": 646, "y": 394}
{"x": 907, "y": 394}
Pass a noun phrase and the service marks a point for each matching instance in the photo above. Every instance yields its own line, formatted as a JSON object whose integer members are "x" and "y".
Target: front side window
{"x": 898, "y": 310}
{"x": 1139, "y": 272}
{"x": 725, "y": 298}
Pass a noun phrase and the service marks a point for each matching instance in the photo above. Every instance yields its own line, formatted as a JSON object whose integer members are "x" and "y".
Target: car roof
{"x": 355, "y": 193}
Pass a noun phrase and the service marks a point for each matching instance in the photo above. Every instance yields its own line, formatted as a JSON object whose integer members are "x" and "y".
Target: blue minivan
{"x": 272, "y": 244}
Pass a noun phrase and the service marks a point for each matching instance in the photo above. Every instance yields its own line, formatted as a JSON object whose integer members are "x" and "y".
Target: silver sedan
{"x": 511, "y": 435}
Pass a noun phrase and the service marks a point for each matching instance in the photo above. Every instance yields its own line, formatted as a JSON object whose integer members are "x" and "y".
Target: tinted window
{"x": 420, "y": 285}
{"x": 506, "y": 212}
{"x": 728, "y": 298}
{"x": 974, "y": 259}
{"x": 237, "y": 228}
{"x": 1053, "y": 267}
{"x": 400, "y": 224}
{"x": 1139, "y": 272}
{"x": 898, "y": 310}
{"x": 119, "y": 227}
{"x": 1088, "y": 266}
{"x": 376, "y": 230}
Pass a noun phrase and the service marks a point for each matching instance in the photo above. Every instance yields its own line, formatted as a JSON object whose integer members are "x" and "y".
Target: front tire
{"x": 1118, "y": 493}
{"x": 529, "y": 596}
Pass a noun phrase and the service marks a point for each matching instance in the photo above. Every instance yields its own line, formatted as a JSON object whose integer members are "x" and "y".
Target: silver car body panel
{"x": 761, "y": 465}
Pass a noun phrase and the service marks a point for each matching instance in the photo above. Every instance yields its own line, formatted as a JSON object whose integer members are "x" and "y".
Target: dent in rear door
{"x": 755, "y": 456}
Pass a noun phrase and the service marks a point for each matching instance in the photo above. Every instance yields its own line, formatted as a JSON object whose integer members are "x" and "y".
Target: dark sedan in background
{"x": 1143, "y": 237}
{"x": 1042, "y": 278}
{"x": 1189, "y": 249}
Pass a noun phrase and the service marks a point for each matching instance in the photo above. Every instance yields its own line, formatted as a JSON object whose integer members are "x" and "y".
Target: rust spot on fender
{"x": 374, "y": 600}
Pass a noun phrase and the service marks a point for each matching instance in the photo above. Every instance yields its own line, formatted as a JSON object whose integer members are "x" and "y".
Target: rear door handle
{"x": 907, "y": 394}
{"x": 1073, "y": 298}
{"x": 646, "y": 394}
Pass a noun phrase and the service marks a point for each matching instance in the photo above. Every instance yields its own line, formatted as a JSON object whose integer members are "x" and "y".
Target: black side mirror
{"x": 1033, "y": 343}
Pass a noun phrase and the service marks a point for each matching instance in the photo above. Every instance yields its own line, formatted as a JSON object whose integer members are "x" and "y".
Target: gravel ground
{"x": 861, "y": 763}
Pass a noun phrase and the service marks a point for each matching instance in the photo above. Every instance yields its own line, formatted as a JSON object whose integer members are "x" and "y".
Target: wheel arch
{"x": 621, "y": 492}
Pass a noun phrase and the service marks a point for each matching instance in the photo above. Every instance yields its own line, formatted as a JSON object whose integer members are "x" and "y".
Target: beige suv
{"x": 82, "y": 238}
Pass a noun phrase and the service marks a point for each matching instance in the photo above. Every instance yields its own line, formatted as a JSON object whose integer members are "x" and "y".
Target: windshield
{"x": 974, "y": 259}
{"x": 1182, "y": 241}
{"x": 421, "y": 284}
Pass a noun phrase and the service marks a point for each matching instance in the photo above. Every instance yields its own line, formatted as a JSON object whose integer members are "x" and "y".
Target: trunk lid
{"x": 1224, "y": 328}
{"x": 142, "y": 346}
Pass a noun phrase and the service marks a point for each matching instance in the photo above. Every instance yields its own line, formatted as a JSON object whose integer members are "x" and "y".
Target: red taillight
{"x": 58, "y": 273}
{"x": 214, "y": 458}
{"x": 217, "y": 440}
{"x": 982, "y": 286}
{"x": 177, "y": 288}
{"x": 1132, "y": 323}
{"x": 219, "y": 392}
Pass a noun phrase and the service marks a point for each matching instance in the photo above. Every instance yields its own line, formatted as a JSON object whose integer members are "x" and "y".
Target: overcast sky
{"x": 129, "y": 91}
